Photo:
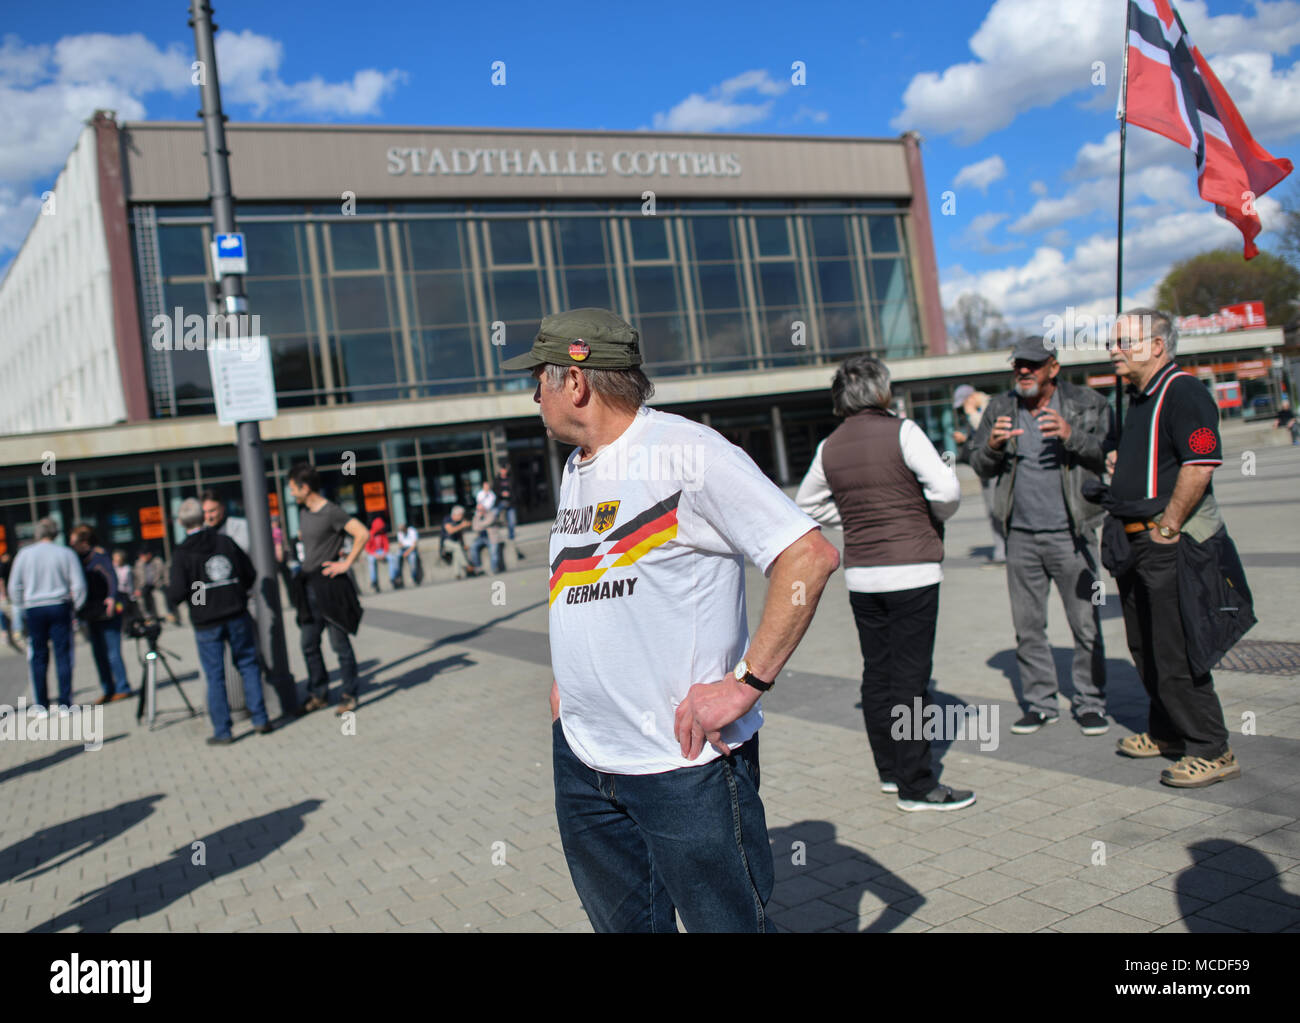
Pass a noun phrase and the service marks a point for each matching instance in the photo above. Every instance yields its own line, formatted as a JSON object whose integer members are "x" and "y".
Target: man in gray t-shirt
{"x": 322, "y": 527}
{"x": 1038, "y": 443}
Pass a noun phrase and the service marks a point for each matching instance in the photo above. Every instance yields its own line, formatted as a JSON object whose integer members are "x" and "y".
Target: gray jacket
{"x": 1092, "y": 435}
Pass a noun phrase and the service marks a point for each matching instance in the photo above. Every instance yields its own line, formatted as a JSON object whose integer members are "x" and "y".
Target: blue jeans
{"x": 106, "y": 647}
{"x": 640, "y": 846}
{"x": 498, "y": 558}
{"x": 49, "y": 623}
{"x": 511, "y": 520}
{"x": 238, "y": 631}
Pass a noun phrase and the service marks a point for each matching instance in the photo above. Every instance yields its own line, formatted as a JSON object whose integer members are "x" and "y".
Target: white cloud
{"x": 1164, "y": 185}
{"x": 982, "y": 174}
{"x": 1038, "y": 187}
{"x": 47, "y": 92}
{"x": 1033, "y": 53}
{"x": 719, "y": 110}
{"x": 1050, "y": 279}
{"x": 976, "y": 235}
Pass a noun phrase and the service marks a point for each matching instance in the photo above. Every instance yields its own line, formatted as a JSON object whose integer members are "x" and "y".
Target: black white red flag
{"x": 1172, "y": 91}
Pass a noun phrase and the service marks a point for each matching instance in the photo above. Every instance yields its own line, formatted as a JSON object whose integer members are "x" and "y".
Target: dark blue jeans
{"x": 238, "y": 632}
{"x": 640, "y": 846}
{"x": 106, "y": 647}
{"x": 49, "y": 623}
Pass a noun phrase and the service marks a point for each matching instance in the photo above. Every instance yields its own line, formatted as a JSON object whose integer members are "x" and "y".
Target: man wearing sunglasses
{"x": 1040, "y": 442}
{"x": 1162, "y": 498}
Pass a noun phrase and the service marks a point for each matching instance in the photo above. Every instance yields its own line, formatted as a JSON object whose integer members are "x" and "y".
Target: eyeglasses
{"x": 1124, "y": 344}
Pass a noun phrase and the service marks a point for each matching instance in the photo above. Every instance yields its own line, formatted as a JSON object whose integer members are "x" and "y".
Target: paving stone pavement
{"x": 437, "y": 815}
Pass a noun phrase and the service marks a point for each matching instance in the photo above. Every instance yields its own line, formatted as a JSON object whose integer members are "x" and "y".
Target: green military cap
{"x": 594, "y": 338}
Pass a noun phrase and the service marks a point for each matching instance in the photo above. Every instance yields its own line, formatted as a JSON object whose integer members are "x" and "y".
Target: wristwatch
{"x": 743, "y": 674}
{"x": 1168, "y": 532}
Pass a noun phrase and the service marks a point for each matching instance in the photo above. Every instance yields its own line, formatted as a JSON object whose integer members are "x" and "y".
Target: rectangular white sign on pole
{"x": 242, "y": 382}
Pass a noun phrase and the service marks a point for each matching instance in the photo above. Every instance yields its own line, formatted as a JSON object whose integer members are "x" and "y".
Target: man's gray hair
{"x": 1158, "y": 323}
{"x": 625, "y": 389}
{"x": 191, "y": 513}
{"x": 47, "y": 529}
{"x": 861, "y": 382}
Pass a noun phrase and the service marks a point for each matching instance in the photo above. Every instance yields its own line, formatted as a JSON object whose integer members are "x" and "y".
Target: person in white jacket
{"x": 878, "y": 477}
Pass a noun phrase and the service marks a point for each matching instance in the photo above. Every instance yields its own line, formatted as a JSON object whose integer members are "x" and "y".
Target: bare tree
{"x": 975, "y": 324}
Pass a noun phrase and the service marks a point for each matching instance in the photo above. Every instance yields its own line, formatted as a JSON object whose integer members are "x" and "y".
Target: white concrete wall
{"x": 58, "y": 358}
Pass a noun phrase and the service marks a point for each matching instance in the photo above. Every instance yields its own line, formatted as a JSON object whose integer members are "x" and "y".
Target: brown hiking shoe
{"x": 346, "y": 704}
{"x": 1197, "y": 772}
{"x": 1142, "y": 745}
{"x": 315, "y": 703}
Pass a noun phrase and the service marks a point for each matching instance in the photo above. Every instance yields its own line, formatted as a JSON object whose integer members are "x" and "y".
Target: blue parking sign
{"x": 229, "y": 255}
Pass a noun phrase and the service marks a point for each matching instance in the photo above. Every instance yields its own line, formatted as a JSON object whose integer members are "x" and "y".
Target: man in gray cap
{"x": 655, "y": 704}
{"x": 1040, "y": 442}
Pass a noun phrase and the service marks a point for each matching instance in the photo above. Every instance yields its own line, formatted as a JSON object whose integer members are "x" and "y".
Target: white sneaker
{"x": 889, "y": 786}
{"x": 38, "y": 712}
{"x": 64, "y": 711}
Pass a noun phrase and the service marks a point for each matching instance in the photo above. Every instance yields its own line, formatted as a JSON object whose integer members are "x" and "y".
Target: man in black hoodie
{"x": 213, "y": 575}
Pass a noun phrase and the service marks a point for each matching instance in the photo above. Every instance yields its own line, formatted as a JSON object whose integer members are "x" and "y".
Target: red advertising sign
{"x": 374, "y": 496}
{"x": 273, "y": 502}
{"x": 1243, "y": 316}
{"x": 1228, "y": 394}
{"x": 151, "y": 522}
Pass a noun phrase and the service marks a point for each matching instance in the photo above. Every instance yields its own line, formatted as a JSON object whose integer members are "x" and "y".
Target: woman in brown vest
{"x": 879, "y": 478}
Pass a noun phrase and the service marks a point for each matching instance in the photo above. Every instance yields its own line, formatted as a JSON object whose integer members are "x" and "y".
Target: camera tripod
{"x": 148, "y": 705}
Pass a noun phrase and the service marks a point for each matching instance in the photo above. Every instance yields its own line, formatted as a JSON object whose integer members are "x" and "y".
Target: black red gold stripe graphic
{"x": 575, "y": 566}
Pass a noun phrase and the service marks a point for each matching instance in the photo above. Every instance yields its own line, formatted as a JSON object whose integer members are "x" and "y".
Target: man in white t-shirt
{"x": 654, "y": 707}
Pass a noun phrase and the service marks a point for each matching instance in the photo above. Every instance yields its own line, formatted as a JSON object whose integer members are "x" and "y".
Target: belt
{"x": 1140, "y": 526}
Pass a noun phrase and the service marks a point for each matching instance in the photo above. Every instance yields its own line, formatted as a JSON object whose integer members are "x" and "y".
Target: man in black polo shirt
{"x": 1160, "y": 490}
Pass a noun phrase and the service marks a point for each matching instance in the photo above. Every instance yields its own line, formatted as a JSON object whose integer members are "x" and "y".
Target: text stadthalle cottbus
{"x": 561, "y": 163}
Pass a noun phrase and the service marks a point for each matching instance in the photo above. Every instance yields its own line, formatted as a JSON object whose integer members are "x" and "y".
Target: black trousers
{"x": 896, "y": 633}
{"x": 1183, "y": 709}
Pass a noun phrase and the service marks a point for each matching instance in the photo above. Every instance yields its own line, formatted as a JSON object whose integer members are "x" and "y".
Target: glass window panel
{"x": 273, "y": 249}
{"x": 185, "y": 210}
{"x": 896, "y": 329}
{"x": 588, "y": 288}
{"x": 271, "y": 209}
{"x": 581, "y": 241}
{"x": 354, "y": 246}
{"x": 440, "y": 298}
{"x": 436, "y": 244}
{"x": 280, "y": 304}
{"x": 360, "y": 303}
{"x": 656, "y": 289}
{"x": 719, "y": 286}
{"x": 725, "y": 336}
{"x": 780, "y": 284}
{"x": 192, "y": 298}
{"x": 511, "y": 242}
{"x": 773, "y": 236}
{"x": 180, "y": 251}
{"x": 395, "y": 449}
{"x": 830, "y": 236}
{"x": 835, "y": 277}
{"x": 106, "y": 479}
{"x": 368, "y": 359}
{"x": 649, "y": 238}
{"x": 193, "y": 383}
{"x": 291, "y": 362}
{"x": 448, "y": 353}
{"x": 516, "y": 295}
{"x": 713, "y": 238}
{"x": 888, "y": 280}
{"x": 843, "y": 329}
{"x": 663, "y": 340}
{"x": 884, "y": 234}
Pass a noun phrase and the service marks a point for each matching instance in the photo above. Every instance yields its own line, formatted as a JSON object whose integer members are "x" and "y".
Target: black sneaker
{"x": 941, "y": 797}
{"x": 265, "y": 729}
{"x": 220, "y": 740}
{"x": 1093, "y": 723}
{"x": 1033, "y": 721}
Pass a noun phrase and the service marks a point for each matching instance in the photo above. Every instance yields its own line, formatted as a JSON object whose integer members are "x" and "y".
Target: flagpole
{"x": 1119, "y": 238}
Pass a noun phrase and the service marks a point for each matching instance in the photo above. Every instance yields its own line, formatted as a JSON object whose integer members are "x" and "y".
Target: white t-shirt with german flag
{"x": 647, "y": 585}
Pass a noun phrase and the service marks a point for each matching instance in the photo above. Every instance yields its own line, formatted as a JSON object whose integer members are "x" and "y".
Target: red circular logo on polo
{"x": 578, "y": 350}
{"x": 1203, "y": 441}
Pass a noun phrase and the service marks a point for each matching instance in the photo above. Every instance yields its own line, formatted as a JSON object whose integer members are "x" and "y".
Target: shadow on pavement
{"x": 57, "y": 757}
{"x": 1222, "y": 871}
{"x": 800, "y": 849}
{"x": 153, "y": 888}
{"x": 1126, "y": 700}
{"x": 415, "y": 676}
{"x": 73, "y": 838}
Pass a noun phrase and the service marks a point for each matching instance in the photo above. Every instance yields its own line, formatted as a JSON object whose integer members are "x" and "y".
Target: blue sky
{"x": 1007, "y": 95}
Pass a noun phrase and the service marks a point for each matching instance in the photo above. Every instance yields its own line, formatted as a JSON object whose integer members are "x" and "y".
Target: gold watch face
{"x": 742, "y": 669}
